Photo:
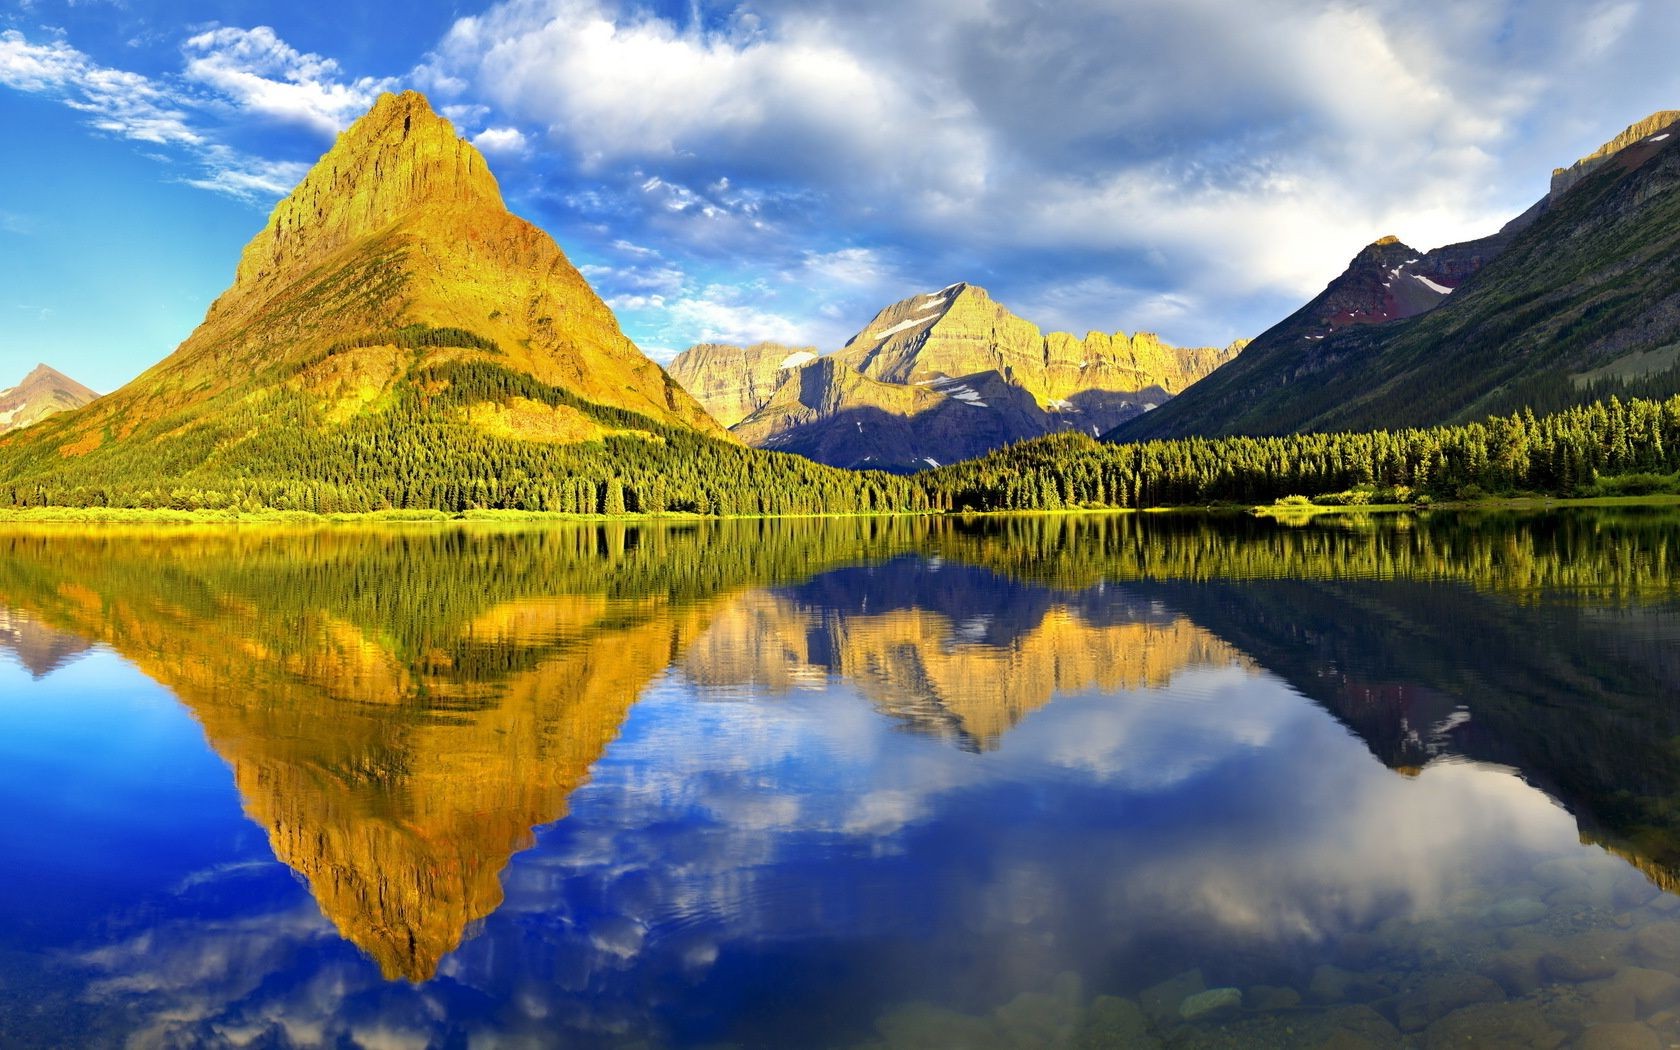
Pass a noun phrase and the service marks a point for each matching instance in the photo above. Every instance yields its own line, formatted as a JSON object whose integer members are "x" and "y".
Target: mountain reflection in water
{"x": 1129, "y": 779}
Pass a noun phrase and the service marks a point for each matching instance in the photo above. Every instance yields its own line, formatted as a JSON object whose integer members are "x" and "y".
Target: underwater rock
{"x": 1438, "y": 995}
{"x": 1495, "y": 1026}
{"x": 1211, "y": 1004}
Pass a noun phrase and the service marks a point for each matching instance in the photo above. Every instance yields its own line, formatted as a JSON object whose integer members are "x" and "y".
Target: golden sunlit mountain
{"x": 935, "y": 378}
{"x": 400, "y": 224}
{"x": 394, "y": 337}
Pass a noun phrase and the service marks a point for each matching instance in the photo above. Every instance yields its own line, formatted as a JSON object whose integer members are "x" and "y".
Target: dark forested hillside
{"x": 1576, "y": 451}
{"x": 1582, "y": 302}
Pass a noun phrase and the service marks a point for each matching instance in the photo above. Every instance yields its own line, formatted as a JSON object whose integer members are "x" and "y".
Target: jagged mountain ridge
{"x": 1583, "y": 286}
{"x": 938, "y": 377}
{"x": 43, "y": 392}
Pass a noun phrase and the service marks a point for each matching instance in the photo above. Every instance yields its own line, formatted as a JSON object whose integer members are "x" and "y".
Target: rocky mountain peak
{"x": 401, "y": 154}
{"x": 43, "y": 392}
{"x": 1650, "y": 134}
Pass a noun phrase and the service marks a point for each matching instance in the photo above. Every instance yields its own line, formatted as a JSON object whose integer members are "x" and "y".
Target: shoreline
{"x": 1292, "y": 513}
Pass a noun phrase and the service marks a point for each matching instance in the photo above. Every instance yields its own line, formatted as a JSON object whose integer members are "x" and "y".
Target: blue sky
{"x": 781, "y": 169}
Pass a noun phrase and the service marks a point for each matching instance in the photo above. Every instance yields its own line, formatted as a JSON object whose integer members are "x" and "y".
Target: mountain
{"x": 395, "y": 337}
{"x": 1577, "y": 297}
{"x": 42, "y": 393}
{"x": 733, "y": 382}
{"x": 938, "y": 377}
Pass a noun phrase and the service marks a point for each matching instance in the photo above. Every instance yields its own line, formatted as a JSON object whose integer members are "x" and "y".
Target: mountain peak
{"x": 399, "y": 155}
{"x": 43, "y": 392}
{"x": 1652, "y": 132}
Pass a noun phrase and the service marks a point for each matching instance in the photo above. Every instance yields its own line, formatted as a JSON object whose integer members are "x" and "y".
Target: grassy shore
{"x": 1295, "y": 512}
{"x": 139, "y": 516}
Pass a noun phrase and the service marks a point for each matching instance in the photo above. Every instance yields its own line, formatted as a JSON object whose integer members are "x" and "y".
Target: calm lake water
{"x": 1093, "y": 781}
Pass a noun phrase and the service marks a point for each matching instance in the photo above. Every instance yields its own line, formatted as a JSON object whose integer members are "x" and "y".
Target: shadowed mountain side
{"x": 935, "y": 378}
{"x": 398, "y": 744}
{"x": 845, "y": 419}
{"x": 952, "y": 651}
{"x": 1583, "y": 287}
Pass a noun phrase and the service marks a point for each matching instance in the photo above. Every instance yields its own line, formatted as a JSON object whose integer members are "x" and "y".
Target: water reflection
{"x": 36, "y": 646}
{"x": 1137, "y": 750}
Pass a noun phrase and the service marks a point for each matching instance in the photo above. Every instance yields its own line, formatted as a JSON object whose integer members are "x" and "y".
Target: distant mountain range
{"x": 42, "y": 392}
{"x": 934, "y": 378}
{"x": 1577, "y": 297}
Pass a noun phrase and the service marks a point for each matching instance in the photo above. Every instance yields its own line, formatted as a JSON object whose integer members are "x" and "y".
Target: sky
{"x": 781, "y": 169}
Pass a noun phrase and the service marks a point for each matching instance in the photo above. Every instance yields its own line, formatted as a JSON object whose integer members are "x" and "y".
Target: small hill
{"x": 1575, "y": 299}
{"x": 42, "y": 392}
{"x": 939, "y": 377}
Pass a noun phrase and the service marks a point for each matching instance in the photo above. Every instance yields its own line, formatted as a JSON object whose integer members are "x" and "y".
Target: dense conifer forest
{"x": 1606, "y": 448}
{"x": 427, "y": 448}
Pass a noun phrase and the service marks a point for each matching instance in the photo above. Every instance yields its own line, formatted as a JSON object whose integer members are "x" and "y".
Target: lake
{"x": 1057, "y": 781}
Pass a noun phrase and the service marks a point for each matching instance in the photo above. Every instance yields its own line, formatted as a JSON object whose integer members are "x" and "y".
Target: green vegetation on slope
{"x": 424, "y": 444}
{"x": 1560, "y": 454}
{"x": 1594, "y": 280}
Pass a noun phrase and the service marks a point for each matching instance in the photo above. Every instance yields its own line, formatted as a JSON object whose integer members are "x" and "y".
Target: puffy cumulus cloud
{"x": 1228, "y": 158}
{"x": 501, "y": 141}
{"x": 255, "y": 70}
{"x": 617, "y": 84}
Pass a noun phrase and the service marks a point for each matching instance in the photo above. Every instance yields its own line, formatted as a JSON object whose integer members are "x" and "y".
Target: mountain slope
{"x": 42, "y": 393}
{"x": 395, "y": 337}
{"x": 733, "y": 382}
{"x": 1583, "y": 287}
{"x": 943, "y": 376}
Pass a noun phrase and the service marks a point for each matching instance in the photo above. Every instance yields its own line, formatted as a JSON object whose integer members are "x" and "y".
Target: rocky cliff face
{"x": 43, "y": 392}
{"x": 944, "y": 376}
{"x": 733, "y": 382}
{"x": 1645, "y": 134}
{"x": 399, "y": 226}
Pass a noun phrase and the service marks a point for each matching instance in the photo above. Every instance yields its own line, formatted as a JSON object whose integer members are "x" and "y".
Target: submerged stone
{"x": 1438, "y": 995}
{"x": 1267, "y": 998}
{"x": 1495, "y": 1026}
{"x": 1211, "y": 1004}
{"x": 1627, "y": 1035}
{"x": 1518, "y": 911}
{"x": 1161, "y": 1001}
{"x": 1586, "y": 956}
{"x": 1113, "y": 1023}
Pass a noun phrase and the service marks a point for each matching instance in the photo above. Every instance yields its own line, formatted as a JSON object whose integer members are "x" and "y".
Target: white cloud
{"x": 116, "y": 101}
{"x": 501, "y": 141}
{"x": 257, "y": 71}
{"x": 227, "y": 72}
{"x": 994, "y": 132}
